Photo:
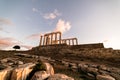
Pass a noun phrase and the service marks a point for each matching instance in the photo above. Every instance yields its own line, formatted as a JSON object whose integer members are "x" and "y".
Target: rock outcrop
{"x": 60, "y": 77}
{"x": 12, "y": 69}
{"x": 49, "y": 69}
{"x": 40, "y": 75}
{"x": 104, "y": 77}
{"x": 5, "y": 74}
{"x": 22, "y": 71}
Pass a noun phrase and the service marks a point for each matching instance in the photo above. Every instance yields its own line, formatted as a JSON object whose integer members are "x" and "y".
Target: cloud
{"x": 4, "y": 21}
{"x": 7, "y": 42}
{"x": 26, "y": 46}
{"x": 62, "y": 26}
{"x": 34, "y": 36}
{"x": 52, "y": 15}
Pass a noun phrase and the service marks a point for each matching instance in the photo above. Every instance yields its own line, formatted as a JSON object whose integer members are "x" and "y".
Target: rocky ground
{"x": 81, "y": 64}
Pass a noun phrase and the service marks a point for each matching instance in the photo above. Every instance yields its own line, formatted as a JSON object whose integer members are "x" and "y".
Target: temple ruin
{"x": 56, "y": 38}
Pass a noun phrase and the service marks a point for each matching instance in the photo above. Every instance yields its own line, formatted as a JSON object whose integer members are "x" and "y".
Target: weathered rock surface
{"x": 40, "y": 75}
{"x": 5, "y": 74}
{"x": 104, "y": 77}
{"x": 22, "y": 71}
{"x": 60, "y": 77}
{"x": 49, "y": 69}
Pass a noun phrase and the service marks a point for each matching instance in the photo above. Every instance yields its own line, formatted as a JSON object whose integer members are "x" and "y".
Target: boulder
{"x": 4, "y": 60}
{"x": 104, "y": 77}
{"x": 92, "y": 70}
{"x": 5, "y": 74}
{"x": 22, "y": 71}
{"x": 60, "y": 77}
{"x": 40, "y": 75}
{"x": 83, "y": 67}
{"x": 49, "y": 69}
{"x": 18, "y": 62}
{"x": 103, "y": 67}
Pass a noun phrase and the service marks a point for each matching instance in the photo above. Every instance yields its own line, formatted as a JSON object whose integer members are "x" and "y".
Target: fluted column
{"x": 44, "y": 40}
{"x": 51, "y": 38}
{"x": 60, "y": 38}
{"x": 55, "y": 38}
{"x": 69, "y": 41}
{"x": 72, "y": 41}
{"x": 41, "y": 40}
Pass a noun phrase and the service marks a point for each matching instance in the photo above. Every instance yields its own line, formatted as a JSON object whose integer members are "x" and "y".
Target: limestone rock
{"x": 5, "y": 74}
{"x": 60, "y": 77}
{"x": 2, "y": 66}
{"x": 83, "y": 67}
{"x": 49, "y": 69}
{"x": 19, "y": 62}
{"x": 104, "y": 77}
{"x": 22, "y": 71}
{"x": 40, "y": 75}
{"x": 92, "y": 70}
{"x": 103, "y": 67}
{"x": 4, "y": 60}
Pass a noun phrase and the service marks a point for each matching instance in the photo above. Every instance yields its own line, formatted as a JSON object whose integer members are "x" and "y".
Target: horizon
{"x": 90, "y": 21}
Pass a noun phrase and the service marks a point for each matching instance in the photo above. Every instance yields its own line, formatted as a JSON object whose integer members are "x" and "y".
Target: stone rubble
{"x": 91, "y": 70}
{"x": 21, "y": 71}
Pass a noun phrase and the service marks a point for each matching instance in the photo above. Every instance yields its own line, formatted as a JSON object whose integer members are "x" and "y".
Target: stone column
{"x": 72, "y": 41}
{"x": 44, "y": 40}
{"x": 60, "y": 38}
{"x": 69, "y": 41}
{"x": 51, "y": 38}
{"x": 55, "y": 38}
{"x": 41, "y": 40}
{"x": 47, "y": 37}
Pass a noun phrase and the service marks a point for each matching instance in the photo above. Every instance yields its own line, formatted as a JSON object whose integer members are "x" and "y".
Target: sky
{"x": 91, "y": 21}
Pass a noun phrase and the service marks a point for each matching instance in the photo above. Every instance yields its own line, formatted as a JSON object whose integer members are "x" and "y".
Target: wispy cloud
{"x": 7, "y": 42}
{"x": 34, "y": 36}
{"x": 52, "y": 15}
{"x": 62, "y": 26}
{"x": 26, "y": 46}
{"x": 4, "y": 21}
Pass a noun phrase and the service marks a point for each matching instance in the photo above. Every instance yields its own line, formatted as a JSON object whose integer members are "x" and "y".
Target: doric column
{"x": 72, "y": 41}
{"x": 55, "y": 38}
{"x": 41, "y": 40}
{"x": 51, "y": 38}
{"x": 69, "y": 41}
{"x": 47, "y": 39}
{"x": 60, "y": 38}
{"x": 44, "y": 40}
